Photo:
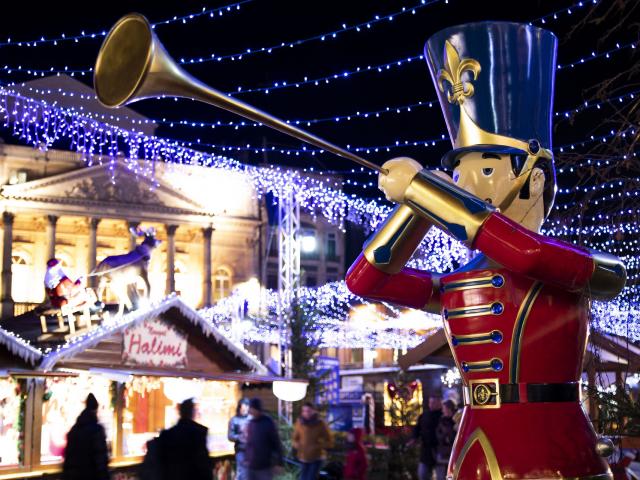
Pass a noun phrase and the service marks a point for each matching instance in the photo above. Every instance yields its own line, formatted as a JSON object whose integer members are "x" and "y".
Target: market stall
{"x": 139, "y": 367}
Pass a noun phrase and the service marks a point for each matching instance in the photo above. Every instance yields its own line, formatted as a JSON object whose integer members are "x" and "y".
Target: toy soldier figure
{"x": 517, "y": 316}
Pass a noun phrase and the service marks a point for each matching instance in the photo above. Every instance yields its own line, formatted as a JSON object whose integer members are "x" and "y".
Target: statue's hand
{"x": 400, "y": 173}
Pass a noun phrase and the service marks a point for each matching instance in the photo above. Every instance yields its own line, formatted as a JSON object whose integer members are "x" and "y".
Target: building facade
{"x": 54, "y": 204}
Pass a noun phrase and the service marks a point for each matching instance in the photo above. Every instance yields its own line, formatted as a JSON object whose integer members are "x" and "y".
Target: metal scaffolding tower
{"x": 288, "y": 279}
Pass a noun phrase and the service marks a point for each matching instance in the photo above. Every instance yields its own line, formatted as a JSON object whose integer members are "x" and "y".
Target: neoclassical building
{"x": 56, "y": 205}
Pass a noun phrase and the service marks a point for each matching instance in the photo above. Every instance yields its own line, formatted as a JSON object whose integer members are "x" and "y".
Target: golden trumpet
{"x": 133, "y": 65}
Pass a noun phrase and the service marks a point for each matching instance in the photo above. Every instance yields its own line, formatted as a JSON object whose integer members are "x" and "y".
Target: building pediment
{"x": 109, "y": 185}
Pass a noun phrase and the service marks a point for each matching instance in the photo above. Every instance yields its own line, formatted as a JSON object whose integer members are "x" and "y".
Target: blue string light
{"x": 60, "y": 38}
{"x": 595, "y": 201}
{"x": 314, "y": 151}
{"x": 593, "y": 56}
{"x": 613, "y": 184}
{"x": 360, "y": 27}
{"x": 568, "y": 10}
{"x": 591, "y": 163}
{"x": 598, "y": 105}
{"x": 325, "y": 80}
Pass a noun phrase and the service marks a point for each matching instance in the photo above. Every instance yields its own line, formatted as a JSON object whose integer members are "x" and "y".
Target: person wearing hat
{"x": 237, "y": 433}
{"x": 264, "y": 449}
{"x": 516, "y": 316}
{"x": 182, "y": 449}
{"x": 85, "y": 455}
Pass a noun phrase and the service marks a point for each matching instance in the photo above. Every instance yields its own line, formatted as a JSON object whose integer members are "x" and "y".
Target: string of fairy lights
{"x": 61, "y": 38}
{"x": 285, "y": 84}
{"x": 371, "y": 114}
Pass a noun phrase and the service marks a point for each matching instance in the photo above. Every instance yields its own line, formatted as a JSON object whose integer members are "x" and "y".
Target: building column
{"x": 171, "y": 252}
{"x": 133, "y": 241}
{"x": 93, "y": 250}
{"x": 7, "y": 251}
{"x": 52, "y": 220}
{"x": 206, "y": 297}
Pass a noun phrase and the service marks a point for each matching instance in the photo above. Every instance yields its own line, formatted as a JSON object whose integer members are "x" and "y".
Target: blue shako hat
{"x": 495, "y": 83}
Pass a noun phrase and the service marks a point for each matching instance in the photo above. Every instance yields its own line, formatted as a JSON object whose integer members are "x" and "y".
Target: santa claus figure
{"x": 61, "y": 291}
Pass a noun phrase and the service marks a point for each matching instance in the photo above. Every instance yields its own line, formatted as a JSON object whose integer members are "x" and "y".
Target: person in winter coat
{"x": 237, "y": 433}
{"x": 311, "y": 438}
{"x": 85, "y": 455}
{"x": 425, "y": 431}
{"x": 264, "y": 450}
{"x": 355, "y": 463}
{"x": 445, "y": 435}
{"x": 182, "y": 449}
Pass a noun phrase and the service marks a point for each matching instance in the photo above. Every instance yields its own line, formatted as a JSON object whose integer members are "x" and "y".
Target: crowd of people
{"x": 258, "y": 449}
{"x": 436, "y": 431}
{"x": 180, "y": 452}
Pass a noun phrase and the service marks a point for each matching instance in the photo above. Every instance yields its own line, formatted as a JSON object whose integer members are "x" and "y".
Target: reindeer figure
{"x": 122, "y": 271}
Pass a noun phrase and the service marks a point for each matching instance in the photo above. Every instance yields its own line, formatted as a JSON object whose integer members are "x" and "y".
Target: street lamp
{"x": 308, "y": 243}
{"x": 290, "y": 390}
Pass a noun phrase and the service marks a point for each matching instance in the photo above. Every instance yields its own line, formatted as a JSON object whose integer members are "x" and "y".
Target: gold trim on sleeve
{"x": 391, "y": 247}
{"x": 456, "y": 211}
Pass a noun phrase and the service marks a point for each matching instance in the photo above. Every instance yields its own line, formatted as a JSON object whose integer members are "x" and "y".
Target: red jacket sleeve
{"x": 409, "y": 287}
{"x": 531, "y": 254}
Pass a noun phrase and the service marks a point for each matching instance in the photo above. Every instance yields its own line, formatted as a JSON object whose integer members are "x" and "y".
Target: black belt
{"x": 491, "y": 394}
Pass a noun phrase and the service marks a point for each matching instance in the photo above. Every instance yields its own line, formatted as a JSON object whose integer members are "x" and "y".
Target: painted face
{"x": 488, "y": 176}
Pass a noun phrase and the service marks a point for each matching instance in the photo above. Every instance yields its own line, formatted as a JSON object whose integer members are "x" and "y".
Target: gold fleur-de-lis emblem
{"x": 454, "y": 68}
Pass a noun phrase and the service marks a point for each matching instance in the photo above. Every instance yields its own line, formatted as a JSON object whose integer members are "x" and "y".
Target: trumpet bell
{"x": 124, "y": 60}
{"x": 133, "y": 65}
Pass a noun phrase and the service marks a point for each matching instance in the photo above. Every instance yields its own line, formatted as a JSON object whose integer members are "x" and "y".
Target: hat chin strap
{"x": 521, "y": 180}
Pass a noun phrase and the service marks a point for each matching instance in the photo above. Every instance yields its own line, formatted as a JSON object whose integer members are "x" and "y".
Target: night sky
{"x": 262, "y": 23}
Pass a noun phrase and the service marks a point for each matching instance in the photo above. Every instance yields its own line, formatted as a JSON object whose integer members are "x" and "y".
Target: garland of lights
{"x": 364, "y": 26}
{"x": 336, "y": 322}
{"x": 277, "y": 85}
{"x": 332, "y": 308}
{"x": 606, "y": 54}
{"x": 324, "y": 80}
{"x": 63, "y": 37}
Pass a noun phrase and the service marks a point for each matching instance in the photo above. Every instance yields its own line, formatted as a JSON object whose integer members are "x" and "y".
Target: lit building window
{"x": 308, "y": 243}
{"x": 332, "y": 246}
{"x": 221, "y": 283}
{"x": 22, "y": 278}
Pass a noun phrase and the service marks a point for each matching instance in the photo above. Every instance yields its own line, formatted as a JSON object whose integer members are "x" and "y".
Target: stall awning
{"x": 91, "y": 346}
{"x": 18, "y": 347}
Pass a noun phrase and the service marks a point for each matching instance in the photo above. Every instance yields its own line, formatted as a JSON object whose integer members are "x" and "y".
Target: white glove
{"x": 395, "y": 183}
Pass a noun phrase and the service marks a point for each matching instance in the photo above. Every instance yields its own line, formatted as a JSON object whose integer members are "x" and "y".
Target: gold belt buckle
{"x": 484, "y": 393}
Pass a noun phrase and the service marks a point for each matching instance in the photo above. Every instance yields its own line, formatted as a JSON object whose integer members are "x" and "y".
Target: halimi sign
{"x": 154, "y": 344}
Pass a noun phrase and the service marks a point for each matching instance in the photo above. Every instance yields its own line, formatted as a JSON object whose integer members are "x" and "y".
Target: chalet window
{"x": 63, "y": 401}
{"x": 151, "y": 405}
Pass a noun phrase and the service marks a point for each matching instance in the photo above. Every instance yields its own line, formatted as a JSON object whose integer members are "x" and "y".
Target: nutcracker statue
{"x": 516, "y": 316}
